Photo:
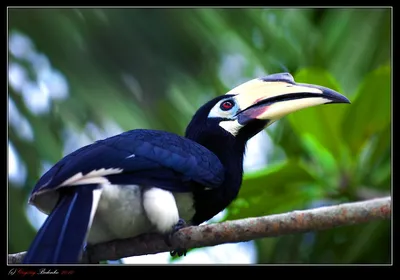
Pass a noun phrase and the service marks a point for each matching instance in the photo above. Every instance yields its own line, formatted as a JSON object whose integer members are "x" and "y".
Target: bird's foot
{"x": 179, "y": 225}
{"x": 178, "y": 251}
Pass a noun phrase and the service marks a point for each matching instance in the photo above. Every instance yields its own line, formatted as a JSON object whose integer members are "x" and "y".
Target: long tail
{"x": 63, "y": 234}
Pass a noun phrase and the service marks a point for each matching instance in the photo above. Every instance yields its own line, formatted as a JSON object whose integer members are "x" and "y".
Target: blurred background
{"x": 79, "y": 75}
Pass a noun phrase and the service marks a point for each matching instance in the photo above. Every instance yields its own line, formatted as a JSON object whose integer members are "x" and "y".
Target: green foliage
{"x": 151, "y": 68}
{"x": 371, "y": 103}
{"x": 321, "y": 122}
{"x": 345, "y": 149}
{"x": 274, "y": 189}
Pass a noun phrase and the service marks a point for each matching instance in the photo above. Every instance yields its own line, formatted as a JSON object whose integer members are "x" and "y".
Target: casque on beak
{"x": 274, "y": 96}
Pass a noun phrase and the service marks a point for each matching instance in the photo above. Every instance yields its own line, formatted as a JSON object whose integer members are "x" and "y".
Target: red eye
{"x": 227, "y": 105}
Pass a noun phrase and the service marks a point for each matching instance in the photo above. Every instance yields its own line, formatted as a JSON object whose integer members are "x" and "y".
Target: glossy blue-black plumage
{"x": 148, "y": 157}
{"x": 70, "y": 218}
{"x": 207, "y": 162}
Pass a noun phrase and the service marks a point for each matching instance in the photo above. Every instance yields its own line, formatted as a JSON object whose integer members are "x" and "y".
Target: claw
{"x": 178, "y": 251}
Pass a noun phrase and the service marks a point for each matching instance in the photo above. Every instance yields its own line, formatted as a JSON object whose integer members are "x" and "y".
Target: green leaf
{"x": 266, "y": 191}
{"x": 370, "y": 111}
{"x": 323, "y": 122}
{"x": 380, "y": 177}
{"x": 383, "y": 144}
{"x": 324, "y": 164}
{"x": 373, "y": 161}
{"x": 282, "y": 134}
{"x": 274, "y": 176}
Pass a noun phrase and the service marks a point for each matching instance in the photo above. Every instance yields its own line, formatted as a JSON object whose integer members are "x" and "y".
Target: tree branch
{"x": 240, "y": 230}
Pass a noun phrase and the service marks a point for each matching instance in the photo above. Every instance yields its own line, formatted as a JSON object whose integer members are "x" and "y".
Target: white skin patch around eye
{"x": 217, "y": 112}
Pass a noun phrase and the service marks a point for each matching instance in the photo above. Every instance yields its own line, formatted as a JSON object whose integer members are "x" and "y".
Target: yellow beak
{"x": 274, "y": 96}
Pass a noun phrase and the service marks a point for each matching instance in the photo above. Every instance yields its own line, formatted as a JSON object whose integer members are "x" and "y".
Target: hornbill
{"x": 144, "y": 181}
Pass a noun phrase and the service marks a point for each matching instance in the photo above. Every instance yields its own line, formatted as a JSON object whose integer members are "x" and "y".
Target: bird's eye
{"x": 227, "y": 105}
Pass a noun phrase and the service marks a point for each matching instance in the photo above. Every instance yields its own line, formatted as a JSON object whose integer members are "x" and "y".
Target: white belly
{"x": 121, "y": 214}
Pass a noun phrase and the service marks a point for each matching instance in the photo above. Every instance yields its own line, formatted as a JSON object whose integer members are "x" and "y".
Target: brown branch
{"x": 241, "y": 230}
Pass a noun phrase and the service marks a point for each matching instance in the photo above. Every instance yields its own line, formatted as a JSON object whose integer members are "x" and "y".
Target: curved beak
{"x": 274, "y": 96}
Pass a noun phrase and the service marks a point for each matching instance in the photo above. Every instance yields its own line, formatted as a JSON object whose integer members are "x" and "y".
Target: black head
{"x": 213, "y": 119}
{"x": 227, "y": 122}
{"x": 247, "y": 109}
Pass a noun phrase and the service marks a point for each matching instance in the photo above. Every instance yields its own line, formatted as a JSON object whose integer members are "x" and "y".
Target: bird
{"x": 145, "y": 180}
